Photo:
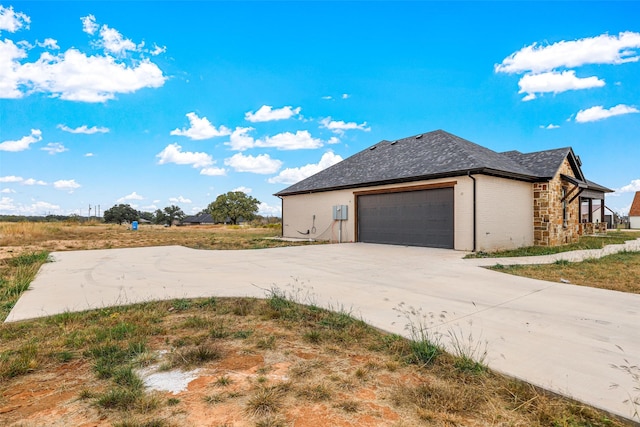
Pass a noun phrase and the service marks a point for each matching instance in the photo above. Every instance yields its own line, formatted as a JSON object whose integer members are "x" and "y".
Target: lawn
{"x": 618, "y": 272}
{"x": 253, "y": 362}
{"x": 586, "y": 242}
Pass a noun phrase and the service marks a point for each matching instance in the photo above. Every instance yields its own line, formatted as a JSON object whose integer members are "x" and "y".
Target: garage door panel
{"x": 415, "y": 218}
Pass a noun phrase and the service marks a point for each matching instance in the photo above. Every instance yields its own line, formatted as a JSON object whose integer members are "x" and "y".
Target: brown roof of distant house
{"x": 635, "y": 206}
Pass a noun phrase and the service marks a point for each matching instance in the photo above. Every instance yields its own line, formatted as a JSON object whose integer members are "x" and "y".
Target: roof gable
{"x": 546, "y": 163}
{"x": 635, "y": 206}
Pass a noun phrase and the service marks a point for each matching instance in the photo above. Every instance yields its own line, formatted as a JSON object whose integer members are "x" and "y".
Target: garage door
{"x": 414, "y": 218}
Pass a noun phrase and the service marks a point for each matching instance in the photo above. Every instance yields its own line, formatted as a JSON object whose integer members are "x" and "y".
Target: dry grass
{"x": 310, "y": 384}
{"x": 23, "y": 236}
{"x": 618, "y": 272}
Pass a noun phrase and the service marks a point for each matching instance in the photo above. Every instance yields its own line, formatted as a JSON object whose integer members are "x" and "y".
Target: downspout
{"x": 281, "y": 216}
{"x": 474, "y": 210}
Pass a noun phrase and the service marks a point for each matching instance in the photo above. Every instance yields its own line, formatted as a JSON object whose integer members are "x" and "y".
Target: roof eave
{"x": 476, "y": 171}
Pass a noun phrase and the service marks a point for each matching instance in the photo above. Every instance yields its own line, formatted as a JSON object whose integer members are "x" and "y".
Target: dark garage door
{"x": 414, "y": 218}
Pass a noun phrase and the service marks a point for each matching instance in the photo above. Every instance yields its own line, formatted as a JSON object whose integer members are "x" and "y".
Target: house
{"x": 203, "y": 218}
{"x": 634, "y": 212}
{"x": 440, "y": 190}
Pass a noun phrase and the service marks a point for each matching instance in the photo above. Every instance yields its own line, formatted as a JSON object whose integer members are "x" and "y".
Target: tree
{"x": 233, "y": 206}
{"x": 120, "y": 213}
{"x": 146, "y": 215}
{"x": 172, "y": 213}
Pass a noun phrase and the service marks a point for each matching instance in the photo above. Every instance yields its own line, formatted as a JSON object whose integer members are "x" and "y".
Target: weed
{"x": 172, "y": 401}
{"x": 317, "y": 392}
{"x": 150, "y": 423}
{"x": 264, "y": 402}
{"x": 20, "y": 362}
{"x": 196, "y": 322}
{"x": 223, "y": 381}
{"x": 64, "y": 356}
{"x": 313, "y": 336}
{"x": 119, "y": 398}
{"x": 424, "y": 346}
{"x": 271, "y": 421}
{"x": 349, "y": 406}
{"x": 242, "y": 307}
{"x": 268, "y": 343}
{"x": 181, "y": 304}
{"x": 242, "y": 334}
{"x": 213, "y": 399}
{"x": 125, "y": 377}
{"x": 195, "y": 355}
{"x": 470, "y": 352}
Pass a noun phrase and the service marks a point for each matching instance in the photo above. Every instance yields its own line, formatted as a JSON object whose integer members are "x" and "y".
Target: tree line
{"x": 227, "y": 208}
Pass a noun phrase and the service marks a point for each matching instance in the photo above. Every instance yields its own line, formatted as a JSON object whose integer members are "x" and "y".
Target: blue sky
{"x": 161, "y": 103}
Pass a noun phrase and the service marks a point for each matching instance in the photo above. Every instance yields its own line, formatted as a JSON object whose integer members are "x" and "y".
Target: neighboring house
{"x": 634, "y": 212}
{"x": 439, "y": 190}
{"x": 203, "y": 218}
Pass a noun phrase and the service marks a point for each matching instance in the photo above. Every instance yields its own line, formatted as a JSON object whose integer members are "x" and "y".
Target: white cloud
{"x": 89, "y": 155}
{"x": 603, "y": 49}
{"x": 599, "y": 113}
{"x": 293, "y": 175}
{"x": 32, "y": 181}
{"x": 200, "y": 128}
{"x": 239, "y": 140}
{"x": 7, "y": 204}
{"x": 132, "y": 196}
{"x": 11, "y": 20}
{"x": 74, "y": 75}
{"x": 89, "y": 25}
{"x": 333, "y": 140}
{"x": 55, "y": 148}
{"x": 11, "y": 178}
{"x": 632, "y": 187}
{"x": 339, "y": 126}
{"x": 84, "y": 129}
{"x": 179, "y": 199}
{"x": 149, "y": 208}
{"x": 556, "y": 83}
{"x": 66, "y": 184}
{"x": 261, "y": 164}
{"x": 245, "y": 190}
{"x": 213, "y": 171}
{"x": 114, "y": 42}
{"x": 346, "y": 96}
{"x": 328, "y": 97}
{"x": 22, "y": 143}
{"x": 7, "y": 191}
{"x": 289, "y": 141}
{"x": 266, "y": 113}
{"x": 157, "y": 50}
{"x": 549, "y": 126}
{"x": 173, "y": 153}
{"x": 49, "y": 44}
{"x": 265, "y": 209}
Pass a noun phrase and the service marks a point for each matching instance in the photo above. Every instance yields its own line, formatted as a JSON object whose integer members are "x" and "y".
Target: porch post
{"x": 590, "y": 217}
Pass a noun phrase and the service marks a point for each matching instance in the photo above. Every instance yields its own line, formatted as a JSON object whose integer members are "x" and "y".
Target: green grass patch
{"x": 585, "y": 242}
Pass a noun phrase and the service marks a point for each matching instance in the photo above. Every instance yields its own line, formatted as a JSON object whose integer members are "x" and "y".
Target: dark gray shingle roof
{"x": 426, "y": 156}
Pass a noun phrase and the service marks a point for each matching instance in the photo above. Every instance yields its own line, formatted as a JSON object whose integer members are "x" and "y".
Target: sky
{"x": 159, "y": 103}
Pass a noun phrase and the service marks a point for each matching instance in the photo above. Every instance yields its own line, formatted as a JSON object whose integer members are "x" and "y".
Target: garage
{"x": 413, "y": 218}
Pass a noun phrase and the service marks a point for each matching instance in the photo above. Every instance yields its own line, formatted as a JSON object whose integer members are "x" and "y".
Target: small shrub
{"x": 119, "y": 398}
{"x": 268, "y": 343}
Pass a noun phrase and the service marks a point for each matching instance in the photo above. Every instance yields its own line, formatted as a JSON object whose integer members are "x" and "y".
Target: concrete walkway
{"x": 561, "y": 337}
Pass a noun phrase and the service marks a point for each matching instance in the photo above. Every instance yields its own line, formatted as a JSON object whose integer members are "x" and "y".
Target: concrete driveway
{"x": 560, "y": 337}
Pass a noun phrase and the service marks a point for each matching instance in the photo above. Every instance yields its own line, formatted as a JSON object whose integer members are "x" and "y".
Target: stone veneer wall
{"x": 548, "y": 227}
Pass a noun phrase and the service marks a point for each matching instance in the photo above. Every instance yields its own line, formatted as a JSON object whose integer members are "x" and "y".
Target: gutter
{"x": 474, "y": 210}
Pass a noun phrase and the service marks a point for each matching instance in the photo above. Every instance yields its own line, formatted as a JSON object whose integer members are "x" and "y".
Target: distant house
{"x": 634, "y": 212}
{"x": 439, "y": 190}
{"x": 201, "y": 219}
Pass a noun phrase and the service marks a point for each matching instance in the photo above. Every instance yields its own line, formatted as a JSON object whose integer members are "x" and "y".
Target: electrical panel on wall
{"x": 340, "y": 212}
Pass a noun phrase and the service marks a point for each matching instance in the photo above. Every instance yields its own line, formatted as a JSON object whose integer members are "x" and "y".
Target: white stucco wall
{"x": 504, "y": 213}
{"x": 634, "y": 221}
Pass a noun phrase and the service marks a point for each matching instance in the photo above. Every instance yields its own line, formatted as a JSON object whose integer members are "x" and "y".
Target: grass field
{"x": 267, "y": 362}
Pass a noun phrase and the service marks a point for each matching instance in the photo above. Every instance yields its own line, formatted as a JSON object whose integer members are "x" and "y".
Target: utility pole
{"x": 89, "y": 216}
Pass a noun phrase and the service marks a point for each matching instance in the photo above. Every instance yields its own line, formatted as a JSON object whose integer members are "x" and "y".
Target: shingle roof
{"x": 635, "y": 206}
{"x": 199, "y": 219}
{"x": 427, "y": 156}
